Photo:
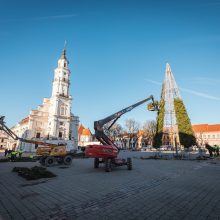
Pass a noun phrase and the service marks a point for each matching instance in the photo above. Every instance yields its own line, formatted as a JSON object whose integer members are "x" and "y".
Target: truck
{"x": 47, "y": 153}
{"x": 107, "y": 153}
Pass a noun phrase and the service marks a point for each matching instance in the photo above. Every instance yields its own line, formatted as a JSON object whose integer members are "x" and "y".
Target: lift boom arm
{"x": 9, "y": 132}
{"x": 98, "y": 125}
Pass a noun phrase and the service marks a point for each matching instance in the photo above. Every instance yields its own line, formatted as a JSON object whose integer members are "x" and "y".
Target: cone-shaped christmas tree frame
{"x": 173, "y": 124}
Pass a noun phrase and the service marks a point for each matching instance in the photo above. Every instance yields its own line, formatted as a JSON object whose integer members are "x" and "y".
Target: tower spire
{"x": 63, "y": 55}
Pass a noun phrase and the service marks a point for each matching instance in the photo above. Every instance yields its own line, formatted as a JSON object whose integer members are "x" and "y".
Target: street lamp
{"x": 175, "y": 144}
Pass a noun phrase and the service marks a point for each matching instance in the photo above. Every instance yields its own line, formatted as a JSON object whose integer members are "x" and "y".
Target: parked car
{"x": 145, "y": 148}
{"x": 148, "y": 148}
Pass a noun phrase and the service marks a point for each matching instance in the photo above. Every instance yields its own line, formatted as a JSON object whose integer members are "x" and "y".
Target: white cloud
{"x": 193, "y": 92}
{"x": 40, "y": 18}
{"x": 56, "y": 16}
{"x": 206, "y": 80}
{"x": 204, "y": 95}
{"x": 153, "y": 82}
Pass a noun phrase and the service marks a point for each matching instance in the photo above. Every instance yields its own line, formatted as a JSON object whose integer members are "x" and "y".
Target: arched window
{"x": 62, "y": 110}
{"x": 38, "y": 135}
{"x": 63, "y": 92}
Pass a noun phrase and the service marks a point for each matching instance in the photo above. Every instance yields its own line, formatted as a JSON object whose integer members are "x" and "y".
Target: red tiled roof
{"x": 140, "y": 133}
{"x": 84, "y": 131}
{"x": 206, "y": 128}
{"x": 24, "y": 120}
{"x": 215, "y": 127}
{"x": 80, "y": 129}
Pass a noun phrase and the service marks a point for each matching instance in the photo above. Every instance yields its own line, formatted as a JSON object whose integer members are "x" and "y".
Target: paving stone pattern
{"x": 154, "y": 189}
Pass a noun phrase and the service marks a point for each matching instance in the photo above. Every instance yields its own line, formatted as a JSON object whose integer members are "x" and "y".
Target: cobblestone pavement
{"x": 154, "y": 189}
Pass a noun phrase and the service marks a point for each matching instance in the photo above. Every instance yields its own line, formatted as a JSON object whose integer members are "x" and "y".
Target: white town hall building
{"x": 53, "y": 121}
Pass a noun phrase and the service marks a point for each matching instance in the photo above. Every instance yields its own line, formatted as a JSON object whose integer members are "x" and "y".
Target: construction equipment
{"x": 48, "y": 153}
{"x": 108, "y": 152}
{"x": 213, "y": 150}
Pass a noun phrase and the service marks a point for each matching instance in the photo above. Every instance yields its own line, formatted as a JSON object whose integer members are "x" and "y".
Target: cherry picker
{"x": 48, "y": 153}
{"x": 107, "y": 153}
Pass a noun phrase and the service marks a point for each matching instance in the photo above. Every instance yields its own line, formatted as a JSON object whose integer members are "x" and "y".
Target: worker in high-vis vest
{"x": 13, "y": 155}
{"x": 20, "y": 153}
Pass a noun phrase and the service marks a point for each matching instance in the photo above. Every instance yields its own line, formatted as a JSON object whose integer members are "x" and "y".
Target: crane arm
{"x": 9, "y": 132}
{"x": 38, "y": 142}
{"x": 118, "y": 114}
{"x": 98, "y": 125}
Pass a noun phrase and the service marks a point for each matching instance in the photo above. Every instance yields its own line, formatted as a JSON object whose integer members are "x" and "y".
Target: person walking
{"x": 6, "y": 152}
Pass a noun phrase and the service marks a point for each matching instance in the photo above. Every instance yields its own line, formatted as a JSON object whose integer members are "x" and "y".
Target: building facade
{"x": 53, "y": 121}
{"x": 3, "y": 140}
{"x": 207, "y": 133}
{"x": 84, "y": 135}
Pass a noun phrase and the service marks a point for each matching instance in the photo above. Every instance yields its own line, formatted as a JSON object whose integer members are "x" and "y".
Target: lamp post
{"x": 175, "y": 144}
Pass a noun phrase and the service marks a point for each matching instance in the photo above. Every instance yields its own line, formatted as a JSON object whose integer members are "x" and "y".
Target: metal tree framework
{"x": 170, "y": 92}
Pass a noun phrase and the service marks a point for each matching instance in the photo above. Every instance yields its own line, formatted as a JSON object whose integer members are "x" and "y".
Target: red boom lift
{"x": 108, "y": 152}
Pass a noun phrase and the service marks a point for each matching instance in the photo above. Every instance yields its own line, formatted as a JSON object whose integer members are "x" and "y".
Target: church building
{"x": 53, "y": 121}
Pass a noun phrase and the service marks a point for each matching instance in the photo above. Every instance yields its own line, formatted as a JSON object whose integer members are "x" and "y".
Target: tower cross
{"x": 65, "y": 44}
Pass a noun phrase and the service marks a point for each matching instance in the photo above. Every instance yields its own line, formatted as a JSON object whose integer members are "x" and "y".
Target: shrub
{"x": 157, "y": 142}
{"x": 186, "y": 135}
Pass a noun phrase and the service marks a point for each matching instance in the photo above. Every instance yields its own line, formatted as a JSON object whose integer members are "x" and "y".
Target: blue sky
{"x": 117, "y": 51}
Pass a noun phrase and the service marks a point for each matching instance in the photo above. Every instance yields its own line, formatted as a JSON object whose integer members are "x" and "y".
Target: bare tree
{"x": 114, "y": 131}
{"x": 132, "y": 128}
{"x": 200, "y": 138}
{"x": 149, "y": 130}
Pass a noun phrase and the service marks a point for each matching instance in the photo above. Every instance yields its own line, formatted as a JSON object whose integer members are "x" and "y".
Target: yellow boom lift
{"x": 48, "y": 153}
